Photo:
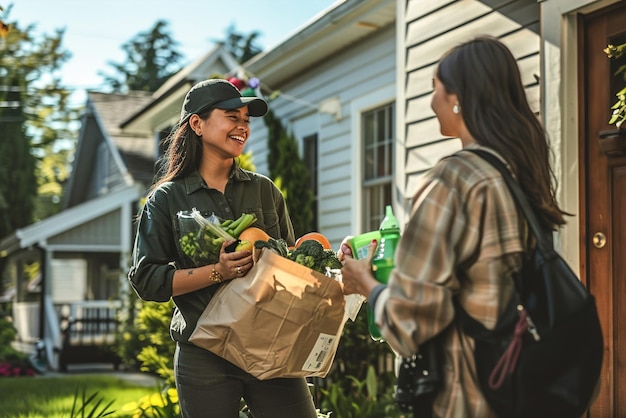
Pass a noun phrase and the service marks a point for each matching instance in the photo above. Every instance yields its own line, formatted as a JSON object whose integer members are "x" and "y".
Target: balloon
{"x": 248, "y": 92}
{"x": 237, "y": 82}
{"x": 254, "y": 82}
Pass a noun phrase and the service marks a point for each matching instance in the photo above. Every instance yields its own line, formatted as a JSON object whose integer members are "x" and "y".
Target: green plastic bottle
{"x": 383, "y": 261}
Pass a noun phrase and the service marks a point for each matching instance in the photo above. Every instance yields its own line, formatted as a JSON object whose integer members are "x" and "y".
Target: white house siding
{"x": 427, "y": 29}
{"x": 362, "y": 77}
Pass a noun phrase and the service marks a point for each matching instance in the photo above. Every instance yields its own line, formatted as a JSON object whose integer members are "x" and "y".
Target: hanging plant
{"x": 618, "y": 114}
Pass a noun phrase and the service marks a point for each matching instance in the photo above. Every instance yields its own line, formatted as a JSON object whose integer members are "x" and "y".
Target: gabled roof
{"x": 40, "y": 232}
{"x": 329, "y": 33}
{"x": 138, "y": 152}
{"x": 112, "y": 109}
{"x": 133, "y": 154}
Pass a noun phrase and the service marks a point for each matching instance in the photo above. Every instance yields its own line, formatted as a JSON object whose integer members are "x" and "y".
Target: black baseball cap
{"x": 218, "y": 93}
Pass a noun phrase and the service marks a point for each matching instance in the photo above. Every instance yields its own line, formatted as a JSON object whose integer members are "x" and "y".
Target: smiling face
{"x": 225, "y": 132}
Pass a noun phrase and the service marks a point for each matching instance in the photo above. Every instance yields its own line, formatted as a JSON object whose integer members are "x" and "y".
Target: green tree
{"x": 18, "y": 185}
{"x": 240, "y": 45}
{"x": 288, "y": 169}
{"x": 34, "y": 117}
{"x": 152, "y": 57}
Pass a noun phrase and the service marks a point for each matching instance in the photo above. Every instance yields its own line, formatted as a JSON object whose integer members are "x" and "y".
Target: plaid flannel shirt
{"x": 463, "y": 239}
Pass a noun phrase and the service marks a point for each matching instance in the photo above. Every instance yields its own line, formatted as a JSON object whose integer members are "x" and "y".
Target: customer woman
{"x": 464, "y": 237}
{"x": 201, "y": 172}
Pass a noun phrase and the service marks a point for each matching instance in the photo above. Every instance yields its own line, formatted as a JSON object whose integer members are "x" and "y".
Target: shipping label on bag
{"x": 281, "y": 320}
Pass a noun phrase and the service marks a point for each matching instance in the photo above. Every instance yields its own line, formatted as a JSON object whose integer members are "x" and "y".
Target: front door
{"x": 603, "y": 199}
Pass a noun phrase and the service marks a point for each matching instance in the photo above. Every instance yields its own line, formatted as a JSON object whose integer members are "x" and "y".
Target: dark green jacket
{"x": 156, "y": 253}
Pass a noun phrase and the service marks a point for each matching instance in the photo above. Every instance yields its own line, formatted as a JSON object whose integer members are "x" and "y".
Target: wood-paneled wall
{"x": 431, "y": 27}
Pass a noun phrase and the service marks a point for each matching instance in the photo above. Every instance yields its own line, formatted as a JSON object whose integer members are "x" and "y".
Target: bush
{"x": 157, "y": 354}
{"x": 361, "y": 399}
{"x": 12, "y": 362}
{"x": 161, "y": 404}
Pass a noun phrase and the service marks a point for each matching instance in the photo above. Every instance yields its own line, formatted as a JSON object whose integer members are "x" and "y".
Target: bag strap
{"x": 508, "y": 361}
{"x": 544, "y": 243}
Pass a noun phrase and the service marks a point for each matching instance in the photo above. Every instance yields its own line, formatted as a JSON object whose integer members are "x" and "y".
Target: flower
{"x": 15, "y": 369}
{"x": 618, "y": 114}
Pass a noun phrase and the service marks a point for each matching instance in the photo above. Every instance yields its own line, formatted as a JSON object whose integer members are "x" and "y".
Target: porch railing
{"x": 89, "y": 331}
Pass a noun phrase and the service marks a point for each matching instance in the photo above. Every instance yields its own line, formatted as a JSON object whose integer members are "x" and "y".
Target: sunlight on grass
{"x": 52, "y": 397}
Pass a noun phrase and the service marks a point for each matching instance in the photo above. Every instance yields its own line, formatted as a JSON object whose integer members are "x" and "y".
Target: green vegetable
{"x": 312, "y": 254}
{"x": 242, "y": 223}
{"x": 204, "y": 246}
{"x": 309, "y": 247}
{"x": 330, "y": 260}
{"x": 305, "y": 260}
{"x": 236, "y": 227}
{"x": 279, "y": 246}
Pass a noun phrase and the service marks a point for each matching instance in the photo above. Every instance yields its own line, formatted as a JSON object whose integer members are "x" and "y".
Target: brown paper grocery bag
{"x": 281, "y": 320}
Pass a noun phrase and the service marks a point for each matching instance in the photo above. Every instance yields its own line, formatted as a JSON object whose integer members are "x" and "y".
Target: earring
{"x": 456, "y": 108}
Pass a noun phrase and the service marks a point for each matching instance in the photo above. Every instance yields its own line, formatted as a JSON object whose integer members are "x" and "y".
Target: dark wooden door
{"x": 603, "y": 200}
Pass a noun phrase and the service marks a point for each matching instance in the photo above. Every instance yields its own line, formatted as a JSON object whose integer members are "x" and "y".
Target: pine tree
{"x": 152, "y": 57}
{"x": 18, "y": 185}
{"x": 288, "y": 169}
{"x": 34, "y": 119}
{"x": 240, "y": 45}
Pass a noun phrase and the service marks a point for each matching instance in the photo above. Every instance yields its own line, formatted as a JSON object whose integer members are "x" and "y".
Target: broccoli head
{"x": 308, "y": 247}
{"x": 305, "y": 260}
{"x": 330, "y": 260}
{"x": 312, "y": 254}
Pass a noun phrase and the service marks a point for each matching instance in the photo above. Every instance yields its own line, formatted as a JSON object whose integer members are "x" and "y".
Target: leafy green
{"x": 312, "y": 254}
{"x": 279, "y": 246}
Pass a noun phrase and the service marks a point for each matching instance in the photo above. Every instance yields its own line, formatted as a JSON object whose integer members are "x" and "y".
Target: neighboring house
{"x": 63, "y": 277}
{"x": 78, "y": 255}
{"x": 354, "y": 88}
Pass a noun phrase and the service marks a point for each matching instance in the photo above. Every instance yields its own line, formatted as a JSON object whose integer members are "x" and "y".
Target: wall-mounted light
{"x": 331, "y": 106}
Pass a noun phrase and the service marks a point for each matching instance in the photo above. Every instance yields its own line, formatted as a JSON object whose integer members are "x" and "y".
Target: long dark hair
{"x": 182, "y": 155}
{"x": 486, "y": 79}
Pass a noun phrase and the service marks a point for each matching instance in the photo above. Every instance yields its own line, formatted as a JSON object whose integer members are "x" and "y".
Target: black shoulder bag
{"x": 543, "y": 358}
{"x": 420, "y": 379}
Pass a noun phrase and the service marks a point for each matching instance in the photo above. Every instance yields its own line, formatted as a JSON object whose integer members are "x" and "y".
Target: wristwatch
{"x": 216, "y": 276}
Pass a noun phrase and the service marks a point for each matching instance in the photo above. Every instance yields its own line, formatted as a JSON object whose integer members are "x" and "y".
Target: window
{"x": 310, "y": 160}
{"x": 378, "y": 166}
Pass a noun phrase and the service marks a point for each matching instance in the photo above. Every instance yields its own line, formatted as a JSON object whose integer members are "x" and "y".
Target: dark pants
{"x": 209, "y": 386}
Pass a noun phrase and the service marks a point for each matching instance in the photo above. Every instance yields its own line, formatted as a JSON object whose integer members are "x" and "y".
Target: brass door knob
{"x": 599, "y": 240}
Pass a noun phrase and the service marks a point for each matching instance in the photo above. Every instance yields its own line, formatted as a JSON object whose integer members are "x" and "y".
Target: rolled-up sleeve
{"x": 152, "y": 268}
{"x": 418, "y": 302}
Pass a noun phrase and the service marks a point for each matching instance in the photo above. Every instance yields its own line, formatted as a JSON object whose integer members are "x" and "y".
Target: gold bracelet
{"x": 216, "y": 276}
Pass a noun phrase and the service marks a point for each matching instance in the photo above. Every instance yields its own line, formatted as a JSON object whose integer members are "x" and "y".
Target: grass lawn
{"x": 53, "y": 397}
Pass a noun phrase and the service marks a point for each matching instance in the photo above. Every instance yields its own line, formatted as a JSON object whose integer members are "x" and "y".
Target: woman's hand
{"x": 234, "y": 264}
{"x": 344, "y": 249}
{"x": 357, "y": 275}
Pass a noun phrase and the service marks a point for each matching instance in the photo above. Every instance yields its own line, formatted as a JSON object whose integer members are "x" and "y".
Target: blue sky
{"x": 96, "y": 29}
